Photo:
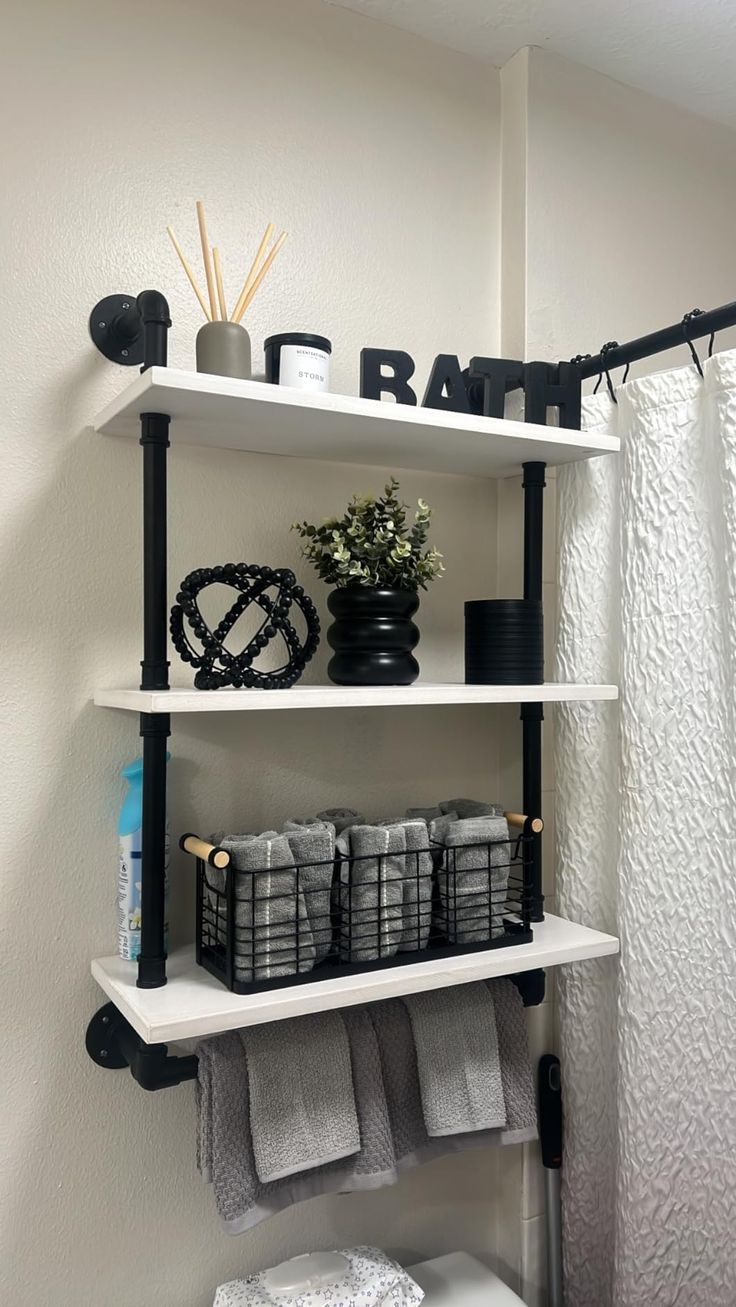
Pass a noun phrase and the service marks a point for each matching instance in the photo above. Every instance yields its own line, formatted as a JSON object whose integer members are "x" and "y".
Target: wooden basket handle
{"x": 211, "y": 853}
{"x": 533, "y": 825}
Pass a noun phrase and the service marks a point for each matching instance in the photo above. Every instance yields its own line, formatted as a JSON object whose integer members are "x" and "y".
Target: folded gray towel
{"x": 273, "y": 936}
{"x": 225, "y": 1146}
{"x": 516, "y": 1065}
{"x": 473, "y": 880}
{"x": 302, "y": 1104}
{"x": 457, "y": 1059}
{"x": 371, "y": 891}
{"x": 341, "y": 818}
{"x": 416, "y": 887}
{"x": 471, "y": 808}
{"x": 312, "y": 845}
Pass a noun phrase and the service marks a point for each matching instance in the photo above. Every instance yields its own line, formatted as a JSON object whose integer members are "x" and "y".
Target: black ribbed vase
{"x": 372, "y": 636}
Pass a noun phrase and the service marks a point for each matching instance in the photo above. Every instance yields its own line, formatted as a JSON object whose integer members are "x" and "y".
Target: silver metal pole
{"x": 554, "y": 1236}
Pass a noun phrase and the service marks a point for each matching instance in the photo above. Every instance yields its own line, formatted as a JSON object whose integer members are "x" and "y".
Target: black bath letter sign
{"x": 446, "y": 387}
{"x": 373, "y": 380}
{"x": 489, "y": 382}
{"x": 552, "y": 385}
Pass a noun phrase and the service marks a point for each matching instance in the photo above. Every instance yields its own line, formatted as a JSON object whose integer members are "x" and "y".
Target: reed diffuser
{"x": 223, "y": 344}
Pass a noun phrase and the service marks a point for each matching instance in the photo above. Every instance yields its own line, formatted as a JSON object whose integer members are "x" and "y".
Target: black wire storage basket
{"x": 271, "y": 927}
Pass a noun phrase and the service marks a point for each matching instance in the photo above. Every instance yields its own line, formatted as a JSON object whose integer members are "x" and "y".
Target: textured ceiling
{"x": 681, "y": 50}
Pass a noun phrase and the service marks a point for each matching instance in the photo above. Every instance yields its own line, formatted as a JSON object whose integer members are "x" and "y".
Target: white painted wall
{"x": 379, "y": 154}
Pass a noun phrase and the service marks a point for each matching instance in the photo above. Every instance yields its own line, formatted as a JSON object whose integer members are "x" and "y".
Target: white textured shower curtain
{"x": 646, "y": 846}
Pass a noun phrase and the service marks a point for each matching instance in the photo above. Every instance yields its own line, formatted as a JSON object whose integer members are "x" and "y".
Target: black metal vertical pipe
{"x": 533, "y": 484}
{"x": 155, "y": 442}
{"x": 532, "y": 714}
{"x": 152, "y": 958}
{"x": 155, "y": 727}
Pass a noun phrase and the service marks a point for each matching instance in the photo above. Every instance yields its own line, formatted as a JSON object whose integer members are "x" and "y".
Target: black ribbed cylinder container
{"x": 372, "y": 636}
{"x": 504, "y": 642}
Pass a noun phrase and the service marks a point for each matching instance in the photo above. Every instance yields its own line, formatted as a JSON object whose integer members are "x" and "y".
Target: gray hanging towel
{"x": 225, "y": 1146}
{"x": 312, "y": 845}
{"x": 471, "y": 808}
{"x": 416, "y": 900}
{"x": 302, "y": 1104}
{"x": 516, "y": 1065}
{"x": 401, "y": 1081}
{"x": 473, "y": 879}
{"x": 273, "y": 936}
{"x": 371, "y": 891}
{"x": 388, "y": 1103}
{"x": 458, "y": 1060}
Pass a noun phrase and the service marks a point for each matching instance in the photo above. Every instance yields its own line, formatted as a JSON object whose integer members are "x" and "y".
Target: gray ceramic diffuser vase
{"x": 224, "y": 348}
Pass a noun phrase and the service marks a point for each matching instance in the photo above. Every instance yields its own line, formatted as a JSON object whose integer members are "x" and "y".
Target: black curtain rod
{"x": 703, "y": 324}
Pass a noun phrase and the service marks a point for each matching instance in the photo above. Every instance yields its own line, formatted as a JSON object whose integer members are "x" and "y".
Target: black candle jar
{"x": 298, "y": 359}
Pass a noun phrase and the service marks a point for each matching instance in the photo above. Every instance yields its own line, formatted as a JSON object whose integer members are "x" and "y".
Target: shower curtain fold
{"x": 646, "y": 845}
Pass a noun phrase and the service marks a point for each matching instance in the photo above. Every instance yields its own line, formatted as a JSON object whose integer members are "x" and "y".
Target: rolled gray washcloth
{"x": 438, "y": 828}
{"x": 426, "y": 814}
{"x": 302, "y": 1102}
{"x": 273, "y": 936}
{"x": 225, "y": 1145}
{"x": 371, "y": 891}
{"x": 416, "y": 901}
{"x": 457, "y": 1059}
{"x": 471, "y": 808}
{"x": 341, "y": 818}
{"x": 473, "y": 879}
{"x": 312, "y": 844}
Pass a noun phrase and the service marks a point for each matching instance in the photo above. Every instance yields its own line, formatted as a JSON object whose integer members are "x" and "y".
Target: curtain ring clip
{"x": 606, "y": 349}
{"x": 687, "y": 319}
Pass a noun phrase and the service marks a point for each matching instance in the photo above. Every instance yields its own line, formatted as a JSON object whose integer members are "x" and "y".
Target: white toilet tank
{"x": 459, "y": 1280}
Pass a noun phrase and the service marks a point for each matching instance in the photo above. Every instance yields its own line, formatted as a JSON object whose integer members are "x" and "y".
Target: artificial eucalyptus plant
{"x": 373, "y": 544}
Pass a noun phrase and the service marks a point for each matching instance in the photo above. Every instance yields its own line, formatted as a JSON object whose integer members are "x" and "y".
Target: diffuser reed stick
{"x": 188, "y": 270}
{"x": 239, "y": 305}
{"x": 201, "y": 219}
{"x": 259, "y": 278}
{"x": 218, "y": 279}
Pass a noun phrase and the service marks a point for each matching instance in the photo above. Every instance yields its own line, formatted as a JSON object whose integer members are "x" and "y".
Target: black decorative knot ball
{"x": 275, "y": 592}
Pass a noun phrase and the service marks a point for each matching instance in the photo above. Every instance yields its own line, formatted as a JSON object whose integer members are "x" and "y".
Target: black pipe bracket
{"x": 113, "y": 1043}
{"x": 131, "y": 329}
{"x": 117, "y": 330}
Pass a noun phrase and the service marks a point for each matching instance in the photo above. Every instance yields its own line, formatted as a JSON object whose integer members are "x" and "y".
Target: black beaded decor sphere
{"x": 275, "y": 592}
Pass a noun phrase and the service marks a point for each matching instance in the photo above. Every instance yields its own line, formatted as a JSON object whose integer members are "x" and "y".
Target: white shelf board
{"x": 224, "y": 413}
{"x": 194, "y": 1004}
{"x": 337, "y": 696}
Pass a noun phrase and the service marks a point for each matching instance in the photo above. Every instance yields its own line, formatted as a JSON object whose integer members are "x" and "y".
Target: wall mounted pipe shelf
{"x": 144, "y": 1010}
{"x": 222, "y": 413}
{"x": 337, "y": 696}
